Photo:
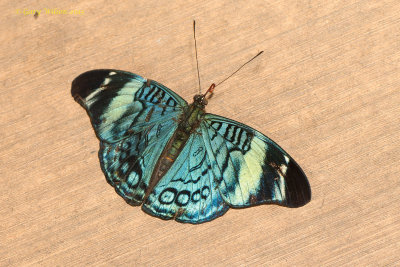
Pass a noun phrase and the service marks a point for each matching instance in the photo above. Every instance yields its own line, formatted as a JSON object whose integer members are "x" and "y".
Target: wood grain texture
{"x": 326, "y": 89}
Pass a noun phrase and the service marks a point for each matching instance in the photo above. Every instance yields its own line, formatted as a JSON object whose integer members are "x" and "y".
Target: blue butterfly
{"x": 178, "y": 161}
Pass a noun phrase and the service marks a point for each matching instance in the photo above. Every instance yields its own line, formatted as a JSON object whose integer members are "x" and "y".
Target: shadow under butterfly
{"x": 177, "y": 161}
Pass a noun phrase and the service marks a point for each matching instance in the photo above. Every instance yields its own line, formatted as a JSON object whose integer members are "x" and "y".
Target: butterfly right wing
{"x": 226, "y": 164}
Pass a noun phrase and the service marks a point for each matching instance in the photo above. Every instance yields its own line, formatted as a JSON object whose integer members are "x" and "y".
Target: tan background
{"x": 326, "y": 89}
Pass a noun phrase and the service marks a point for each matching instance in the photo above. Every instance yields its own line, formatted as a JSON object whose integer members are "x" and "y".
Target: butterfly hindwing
{"x": 134, "y": 118}
{"x": 129, "y": 163}
{"x": 120, "y": 103}
{"x": 251, "y": 168}
{"x": 187, "y": 193}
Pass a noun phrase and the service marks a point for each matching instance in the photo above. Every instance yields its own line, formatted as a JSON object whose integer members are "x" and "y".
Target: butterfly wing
{"x": 128, "y": 164}
{"x": 120, "y": 103}
{"x": 250, "y": 168}
{"x": 134, "y": 118}
{"x": 226, "y": 164}
{"x": 187, "y": 192}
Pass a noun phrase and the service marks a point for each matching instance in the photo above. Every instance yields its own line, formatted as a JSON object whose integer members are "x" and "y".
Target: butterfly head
{"x": 201, "y": 100}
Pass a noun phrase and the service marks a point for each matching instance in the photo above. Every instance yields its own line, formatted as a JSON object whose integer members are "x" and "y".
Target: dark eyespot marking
{"x": 167, "y": 196}
{"x": 196, "y": 196}
{"x": 183, "y": 198}
{"x": 205, "y": 192}
{"x": 133, "y": 179}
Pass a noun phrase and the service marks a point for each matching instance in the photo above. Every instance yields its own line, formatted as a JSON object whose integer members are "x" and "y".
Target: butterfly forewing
{"x": 121, "y": 103}
{"x": 252, "y": 169}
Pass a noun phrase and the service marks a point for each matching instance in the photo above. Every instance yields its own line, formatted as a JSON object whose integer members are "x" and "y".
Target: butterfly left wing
{"x": 129, "y": 163}
{"x": 134, "y": 118}
{"x": 250, "y": 168}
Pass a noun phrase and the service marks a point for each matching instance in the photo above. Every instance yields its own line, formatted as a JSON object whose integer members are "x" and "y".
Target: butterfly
{"x": 177, "y": 161}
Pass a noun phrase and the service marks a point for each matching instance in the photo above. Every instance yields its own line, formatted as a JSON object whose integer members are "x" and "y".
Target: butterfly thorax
{"x": 187, "y": 125}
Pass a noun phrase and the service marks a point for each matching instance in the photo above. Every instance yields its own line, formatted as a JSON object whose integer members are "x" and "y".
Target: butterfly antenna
{"x": 239, "y": 68}
{"x": 195, "y": 48}
{"x": 210, "y": 90}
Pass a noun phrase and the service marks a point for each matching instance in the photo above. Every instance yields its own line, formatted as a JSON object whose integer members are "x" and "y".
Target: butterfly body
{"x": 177, "y": 161}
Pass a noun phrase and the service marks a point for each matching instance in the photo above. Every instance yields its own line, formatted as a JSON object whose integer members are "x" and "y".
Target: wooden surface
{"x": 326, "y": 89}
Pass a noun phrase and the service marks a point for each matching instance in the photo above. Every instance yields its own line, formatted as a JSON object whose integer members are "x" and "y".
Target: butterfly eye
{"x": 199, "y": 99}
